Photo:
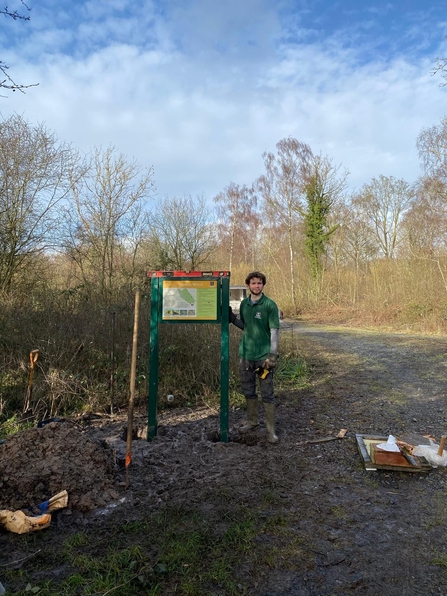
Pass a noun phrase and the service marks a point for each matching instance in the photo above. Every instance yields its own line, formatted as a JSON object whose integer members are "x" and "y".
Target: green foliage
{"x": 12, "y": 391}
{"x": 417, "y": 310}
{"x": 76, "y": 540}
{"x": 237, "y": 399}
{"x": 13, "y": 425}
{"x": 189, "y": 556}
{"x": 292, "y": 372}
{"x": 440, "y": 559}
{"x": 316, "y": 223}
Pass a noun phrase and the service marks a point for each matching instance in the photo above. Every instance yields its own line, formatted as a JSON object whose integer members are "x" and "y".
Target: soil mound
{"x": 37, "y": 463}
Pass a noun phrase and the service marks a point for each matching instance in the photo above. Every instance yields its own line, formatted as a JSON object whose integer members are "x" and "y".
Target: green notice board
{"x": 189, "y": 297}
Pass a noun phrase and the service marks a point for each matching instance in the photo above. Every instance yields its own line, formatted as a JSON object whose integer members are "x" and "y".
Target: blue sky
{"x": 199, "y": 89}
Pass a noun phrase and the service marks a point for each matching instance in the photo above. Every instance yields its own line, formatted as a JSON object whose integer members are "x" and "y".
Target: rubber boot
{"x": 270, "y": 423}
{"x": 252, "y": 416}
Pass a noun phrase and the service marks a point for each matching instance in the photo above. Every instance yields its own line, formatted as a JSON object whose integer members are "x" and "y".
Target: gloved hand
{"x": 270, "y": 361}
{"x": 232, "y": 317}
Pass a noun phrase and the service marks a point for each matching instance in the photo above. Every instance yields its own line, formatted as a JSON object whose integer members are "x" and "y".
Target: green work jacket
{"x": 259, "y": 319}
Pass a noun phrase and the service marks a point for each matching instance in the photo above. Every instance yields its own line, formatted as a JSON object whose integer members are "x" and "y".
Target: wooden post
{"x": 132, "y": 388}
{"x": 112, "y": 366}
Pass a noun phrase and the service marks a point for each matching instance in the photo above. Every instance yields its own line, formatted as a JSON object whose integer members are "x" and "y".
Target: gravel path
{"x": 404, "y": 373}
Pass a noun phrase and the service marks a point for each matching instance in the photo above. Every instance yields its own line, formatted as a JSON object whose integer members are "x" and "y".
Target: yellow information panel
{"x": 189, "y": 300}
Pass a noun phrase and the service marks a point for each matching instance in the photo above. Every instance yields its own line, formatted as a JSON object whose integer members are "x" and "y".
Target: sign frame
{"x": 216, "y": 310}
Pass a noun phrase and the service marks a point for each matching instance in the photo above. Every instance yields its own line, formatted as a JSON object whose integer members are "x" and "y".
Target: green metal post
{"x": 224, "y": 361}
{"x": 153, "y": 361}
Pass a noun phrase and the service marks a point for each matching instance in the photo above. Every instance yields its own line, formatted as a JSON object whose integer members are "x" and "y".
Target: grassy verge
{"x": 176, "y": 551}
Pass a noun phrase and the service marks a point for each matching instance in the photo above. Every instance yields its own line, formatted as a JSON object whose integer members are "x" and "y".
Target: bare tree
{"x": 282, "y": 188}
{"x": 359, "y": 244}
{"x": 426, "y": 222}
{"x": 105, "y": 198}
{"x": 182, "y": 233}
{"x": 34, "y": 180}
{"x": 351, "y": 247}
{"x": 383, "y": 204}
{"x": 236, "y": 211}
{"x": 432, "y": 147}
{"x": 440, "y": 68}
{"x": 8, "y": 82}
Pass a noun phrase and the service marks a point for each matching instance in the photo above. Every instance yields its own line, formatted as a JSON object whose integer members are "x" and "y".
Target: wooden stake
{"x": 112, "y": 365}
{"x": 441, "y": 444}
{"x": 133, "y": 367}
{"x": 340, "y": 435}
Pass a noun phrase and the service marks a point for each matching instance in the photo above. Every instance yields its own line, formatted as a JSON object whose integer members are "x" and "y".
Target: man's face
{"x": 255, "y": 286}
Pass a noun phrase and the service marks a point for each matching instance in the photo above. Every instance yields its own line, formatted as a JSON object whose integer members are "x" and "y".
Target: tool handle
{"x": 441, "y": 444}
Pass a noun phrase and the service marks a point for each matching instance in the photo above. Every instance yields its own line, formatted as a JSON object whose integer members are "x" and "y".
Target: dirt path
{"x": 327, "y": 526}
{"x": 394, "y": 383}
{"x": 387, "y": 528}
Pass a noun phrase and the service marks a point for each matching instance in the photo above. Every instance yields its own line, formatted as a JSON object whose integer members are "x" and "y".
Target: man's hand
{"x": 270, "y": 361}
{"x": 232, "y": 317}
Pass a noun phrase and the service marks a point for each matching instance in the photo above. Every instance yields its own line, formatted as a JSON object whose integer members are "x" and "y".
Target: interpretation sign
{"x": 189, "y": 300}
{"x": 182, "y": 297}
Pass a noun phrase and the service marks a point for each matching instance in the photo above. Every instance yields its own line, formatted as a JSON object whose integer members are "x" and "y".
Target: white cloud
{"x": 210, "y": 90}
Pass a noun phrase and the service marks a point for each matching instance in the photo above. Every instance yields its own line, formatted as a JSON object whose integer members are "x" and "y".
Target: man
{"x": 258, "y": 351}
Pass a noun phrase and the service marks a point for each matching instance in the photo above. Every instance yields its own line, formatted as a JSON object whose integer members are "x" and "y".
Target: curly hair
{"x": 257, "y": 274}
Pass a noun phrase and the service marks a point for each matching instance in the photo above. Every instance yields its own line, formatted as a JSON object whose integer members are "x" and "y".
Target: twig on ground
{"x": 21, "y": 560}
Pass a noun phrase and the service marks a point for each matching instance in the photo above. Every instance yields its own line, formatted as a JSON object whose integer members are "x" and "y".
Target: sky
{"x": 200, "y": 89}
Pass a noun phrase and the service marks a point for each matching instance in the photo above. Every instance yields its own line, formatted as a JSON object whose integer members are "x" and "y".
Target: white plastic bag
{"x": 430, "y": 452}
{"x": 390, "y": 445}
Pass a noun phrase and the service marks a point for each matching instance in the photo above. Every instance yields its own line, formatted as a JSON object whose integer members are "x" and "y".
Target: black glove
{"x": 232, "y": 317}
{"x": 270, "y": 361}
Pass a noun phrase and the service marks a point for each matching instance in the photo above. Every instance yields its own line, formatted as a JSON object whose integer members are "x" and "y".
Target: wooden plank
{"x": 363, "y": 450}
{"x": 390, "y": 458}
{"x": 340, "y": 435}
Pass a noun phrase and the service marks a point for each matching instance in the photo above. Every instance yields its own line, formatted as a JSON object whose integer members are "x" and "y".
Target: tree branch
{"x": 8, "y": 82}
{"x": 16, "y": 15}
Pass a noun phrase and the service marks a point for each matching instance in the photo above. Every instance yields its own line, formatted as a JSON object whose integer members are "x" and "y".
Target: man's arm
{"x": 270, "y": 361}
{"x": 238, "y": 323}
{"x": 234, "y": 319}
{"x": 274, "y": 341}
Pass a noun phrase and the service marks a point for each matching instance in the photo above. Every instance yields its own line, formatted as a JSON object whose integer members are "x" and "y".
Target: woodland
{"x": 78, "y": 234}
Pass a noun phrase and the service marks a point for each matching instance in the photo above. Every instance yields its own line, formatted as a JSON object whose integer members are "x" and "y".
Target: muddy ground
{"x": 359, "y": 532}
